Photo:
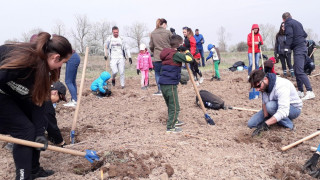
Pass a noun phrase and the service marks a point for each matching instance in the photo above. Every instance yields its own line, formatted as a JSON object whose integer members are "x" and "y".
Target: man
{"x": 117, "y": 52}
{"x": 296, "y": 40}
{"x": 200, "y": 41}
{"x": 280, "y": 101}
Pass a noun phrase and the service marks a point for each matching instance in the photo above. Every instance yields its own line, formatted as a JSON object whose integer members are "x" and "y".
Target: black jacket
{"x": 280, "y": 45}
{"x": 295, "y": 35}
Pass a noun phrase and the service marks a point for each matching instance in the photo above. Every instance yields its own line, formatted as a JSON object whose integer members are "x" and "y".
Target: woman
{"x": 70, "y": 79}
{"x": 190, "y": 44}
{"x": 159, "y": 39}
{"x": 257, "y": 38}
{"x": 279, "y": 51}
{"x": 26, "y": 72}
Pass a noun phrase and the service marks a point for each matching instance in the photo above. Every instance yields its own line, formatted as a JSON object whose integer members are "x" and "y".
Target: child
{"x": 269, "y": 65}
{"x": 169, "y": 79}
{"x": 215, "y": 54}
{"x": 144, "y": 64}
{"x": 99, "y": 86}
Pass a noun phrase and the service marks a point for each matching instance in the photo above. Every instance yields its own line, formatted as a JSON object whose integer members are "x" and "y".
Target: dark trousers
{"x": 15, "y": 120}
{"x": 195, "y": 69}
{"x": 285, "y": 61}
{"x": 299, "y": 58}
{"x": 157, "y": 69}
{"x": 170, "y": 95}
{"x": 54, "y": 133}
{"x": 202, "y": 57}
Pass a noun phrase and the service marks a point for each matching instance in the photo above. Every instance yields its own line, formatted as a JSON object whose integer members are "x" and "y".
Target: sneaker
{"x": 300, "y": 94}
{"x": 159, "y": 93}
{"x": 9, "y": 146}
{"x": 197, "y": 83}
{"x": 113, "y": 82}
{"x": 309, "y": 95}
{"x": 174, "y": 130}
{"x": 201, "y": 80}
{"x": 218, "y": 79}
{"x": 41, "y": 173}
{"x": 179, "y": 123}
{"x": 71, "y": 103}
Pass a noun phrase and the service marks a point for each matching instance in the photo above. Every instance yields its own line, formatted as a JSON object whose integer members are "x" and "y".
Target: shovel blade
{"x": 91, "y": 156}
{"x": 209, "y": 120}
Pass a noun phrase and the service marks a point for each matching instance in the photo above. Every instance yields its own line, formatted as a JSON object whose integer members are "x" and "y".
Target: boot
{"x": 284, "y": 73}
{"x": 292, "y": 74}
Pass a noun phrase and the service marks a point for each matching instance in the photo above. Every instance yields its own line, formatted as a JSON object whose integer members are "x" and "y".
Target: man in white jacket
{"x": 280, "y": 101}
{"x": 115, "y": 48}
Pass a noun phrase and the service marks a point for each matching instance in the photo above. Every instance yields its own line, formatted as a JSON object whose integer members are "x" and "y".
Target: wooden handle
{"x": 312, "y": 52}
{"x": 300, "y": 141}
{"x": 245, "y": 109}
{"x": 39, "y": 145}
{"x": 315, "y": 75}
{"x": 261, "y": 55}
{"x": 74, "y": 123}
{"x": 196, "y": 89}
{"x": 253, "y": 54}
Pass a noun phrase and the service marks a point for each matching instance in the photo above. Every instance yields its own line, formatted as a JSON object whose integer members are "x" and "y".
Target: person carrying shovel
{"x": 257, "y": 39}
{"x": 26, "y": 72}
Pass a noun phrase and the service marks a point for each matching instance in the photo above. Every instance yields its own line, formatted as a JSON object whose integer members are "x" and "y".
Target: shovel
{"x": 253, "y": 94}
{"x": 89, "y": 154}
{"x": 206, "y": 116}
{"x": 243, "y": 109}
{"x": 261, "y": 55}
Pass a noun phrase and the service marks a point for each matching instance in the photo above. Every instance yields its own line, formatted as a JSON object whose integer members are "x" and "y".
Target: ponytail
{"x": 159, "y": 22}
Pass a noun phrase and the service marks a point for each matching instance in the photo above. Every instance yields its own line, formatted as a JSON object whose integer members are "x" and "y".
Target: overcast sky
{"x": 237, "y": 16}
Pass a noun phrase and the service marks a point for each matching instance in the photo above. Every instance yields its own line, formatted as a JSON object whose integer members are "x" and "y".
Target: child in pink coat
{"x": 144, "y": 64}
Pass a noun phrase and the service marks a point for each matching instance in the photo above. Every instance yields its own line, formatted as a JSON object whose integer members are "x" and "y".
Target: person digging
{"x": 280, "y": 102}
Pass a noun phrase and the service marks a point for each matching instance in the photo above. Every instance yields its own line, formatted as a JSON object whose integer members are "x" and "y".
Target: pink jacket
{"x": 144, "y": 61}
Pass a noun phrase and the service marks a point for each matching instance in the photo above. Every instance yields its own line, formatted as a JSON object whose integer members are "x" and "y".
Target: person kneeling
{"x": 99, "y": 87}
{"x": 280, "y": 101}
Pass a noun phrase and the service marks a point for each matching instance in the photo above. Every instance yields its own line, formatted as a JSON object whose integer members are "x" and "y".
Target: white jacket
{"x": 285, "y": 94}
{"x": 116, "y": 48}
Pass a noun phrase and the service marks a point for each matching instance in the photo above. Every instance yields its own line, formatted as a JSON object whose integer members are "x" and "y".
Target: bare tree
{"x": 268, "y": 33}
{"x": 27, "y": 35}
{"x": 223, "y": 36}
{"x": 83, "y": 28}
{"x": 311, "y": 35}
{"x": 137, "y": 32}
{"x": 59, "y": 28}
{"x": 98, "y": 36}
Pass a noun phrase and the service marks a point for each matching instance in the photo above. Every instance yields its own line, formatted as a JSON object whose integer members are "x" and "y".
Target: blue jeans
{"x": 71, "y": 75}
{"x": 202, "y": 57}
{"x": 157, "y": 69}
{"x": 272, "y": 108}
{"x": 257, "y": 59}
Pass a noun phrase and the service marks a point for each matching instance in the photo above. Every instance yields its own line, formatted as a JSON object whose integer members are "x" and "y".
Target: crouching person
{"x": 280, "y": 102}
{"x": 99, "y": 87}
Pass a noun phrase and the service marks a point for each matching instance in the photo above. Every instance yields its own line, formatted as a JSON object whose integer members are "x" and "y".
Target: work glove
{"x": 286, "y": 53}
{"x": 201, "y": 41}
{"x": 130, "y": 61}
{"x": 261, "y": 127}
{"x": 311, "y": 164}
{"x": 105, "y": 58}
{"x": 42, "y": 140}
{"x": 259, "y": 44}
{"x": 173, "y": 31}
{"x": 315, "y": 174}
{"x": 138, "y": 71}
{"x": 150, "y": 69}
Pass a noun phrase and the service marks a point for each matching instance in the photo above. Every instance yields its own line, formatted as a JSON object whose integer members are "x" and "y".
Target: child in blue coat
{"x": 99, "y": 86}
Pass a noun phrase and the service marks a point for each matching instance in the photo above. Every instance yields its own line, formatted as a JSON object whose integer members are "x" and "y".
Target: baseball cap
{"x": 61, "y": 88}
{"x": 142, "y": 47}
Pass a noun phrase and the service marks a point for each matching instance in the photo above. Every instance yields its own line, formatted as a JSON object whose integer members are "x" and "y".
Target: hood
{"x": 255, "y": 26}
{"x": 105, "y": 76}
{"x": 273, "y": 60}
{"x": 167, "y": 53}
{"x": 210, "y": 46}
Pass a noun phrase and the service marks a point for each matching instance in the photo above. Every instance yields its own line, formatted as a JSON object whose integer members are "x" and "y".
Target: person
{"x": 99, "y": 87}
{"x": 26, "y": 72}
{"x": 311, "y": 165}
{"x": 169, "y": 79}
{"x": 280, "y": 54}
{"x": 144, "y": 64}
{"x": 200, "y": 41}
{"x": 159, "y": 39}
{"x": 117, "y": 52}
{"x": 70, "y": 78}
{"x": 190, "y": 44}
{"x": 280, "y": 101}
{"x": 269, "y": 65}
{"x": 311, "y": 46}
{"x": 257, "y": 43}
{"x": 295, "y": 40}
{"x": 215, "y": 55}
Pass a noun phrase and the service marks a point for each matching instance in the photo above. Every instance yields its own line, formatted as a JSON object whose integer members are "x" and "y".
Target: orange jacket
{"x": 249, "y": 40}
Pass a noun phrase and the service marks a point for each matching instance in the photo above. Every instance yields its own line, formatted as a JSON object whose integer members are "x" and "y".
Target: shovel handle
{"x": 245, "y": 109}
{"x": 261, "y": 55}
{"x": 39, "y": 145}
{"x": 300, "y": 141}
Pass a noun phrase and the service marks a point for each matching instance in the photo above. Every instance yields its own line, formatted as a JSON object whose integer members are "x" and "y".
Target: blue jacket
{"x": 198, "y": 41}
{"x": 295, "y": 35}
{"x": 100, "y": 82}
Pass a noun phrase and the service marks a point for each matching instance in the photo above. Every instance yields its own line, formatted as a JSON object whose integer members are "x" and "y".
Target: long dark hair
{"x": 35, "y": 55}
{"x": 281, "y": 31}
{"x": 160, "y": 21}
{"x": 189, "y": 33}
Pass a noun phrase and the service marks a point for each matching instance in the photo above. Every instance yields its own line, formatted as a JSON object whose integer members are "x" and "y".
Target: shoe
{"x": 201, "y": 80}
{"x": 174, "y": 130}
{"x": 309, "y": 95}
{"x": 113, "y": 82}
{"x": 292, "y": 75}
{"x": 122, "y": 87}
{"x": 41, "y": 173}
{"x": 218, "y": 79}
{"x": 300, "y": 94}
{"x": 195, "y": 78}
{"x": 9, "y": 146}
{"x": 71, "y": 103}
{"x": 159, "y": 93}
{"x": 197, "y": 83}
{"x": 179, "y": 123}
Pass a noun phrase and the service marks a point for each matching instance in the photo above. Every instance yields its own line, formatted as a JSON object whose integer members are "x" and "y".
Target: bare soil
{"x": 129, "y": 133}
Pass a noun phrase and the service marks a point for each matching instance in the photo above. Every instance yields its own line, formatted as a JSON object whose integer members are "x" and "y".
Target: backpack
{"x": 210, "y": 100}
{"x": 235, "y": 65}
{"x": 184, "y": 76}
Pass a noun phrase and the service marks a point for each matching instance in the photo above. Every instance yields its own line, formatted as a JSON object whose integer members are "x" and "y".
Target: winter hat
{"x": 210, "y": 46}
{"x": 142, "y": 47}
{"x": 61, "y": 90}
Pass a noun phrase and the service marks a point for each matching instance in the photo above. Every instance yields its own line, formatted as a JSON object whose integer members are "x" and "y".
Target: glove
{"x": 150, "y": 69}
{"x": 172, "y": 30}
{"x": 311, "y": 164}
{"x": 138, "y": 71}
{"x": 261, "y": 127}
{"x": 259, "y": 44}
{"x": 315, "y": 174}
{"x": 105, "y": 58}
{"x": 130, "y": 61}
{"x": 42, "y": 140}
{"x": 286, "y": 53}
{"x": 201, "y": 41}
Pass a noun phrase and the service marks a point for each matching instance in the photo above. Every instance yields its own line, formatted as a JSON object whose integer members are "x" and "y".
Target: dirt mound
{"x": 291, "y": 171}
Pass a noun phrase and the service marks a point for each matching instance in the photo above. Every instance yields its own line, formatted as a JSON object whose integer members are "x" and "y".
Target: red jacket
{"x": 193, "y": 47}
{"x": 270, "y": 64}
{"x": 249, "y": 40}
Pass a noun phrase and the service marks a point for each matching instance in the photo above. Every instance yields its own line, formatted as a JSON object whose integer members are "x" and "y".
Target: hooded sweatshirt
{"x": 144, "y": 61}
{"x": 256, "y": 39}
{"x": 100, "y": 82}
